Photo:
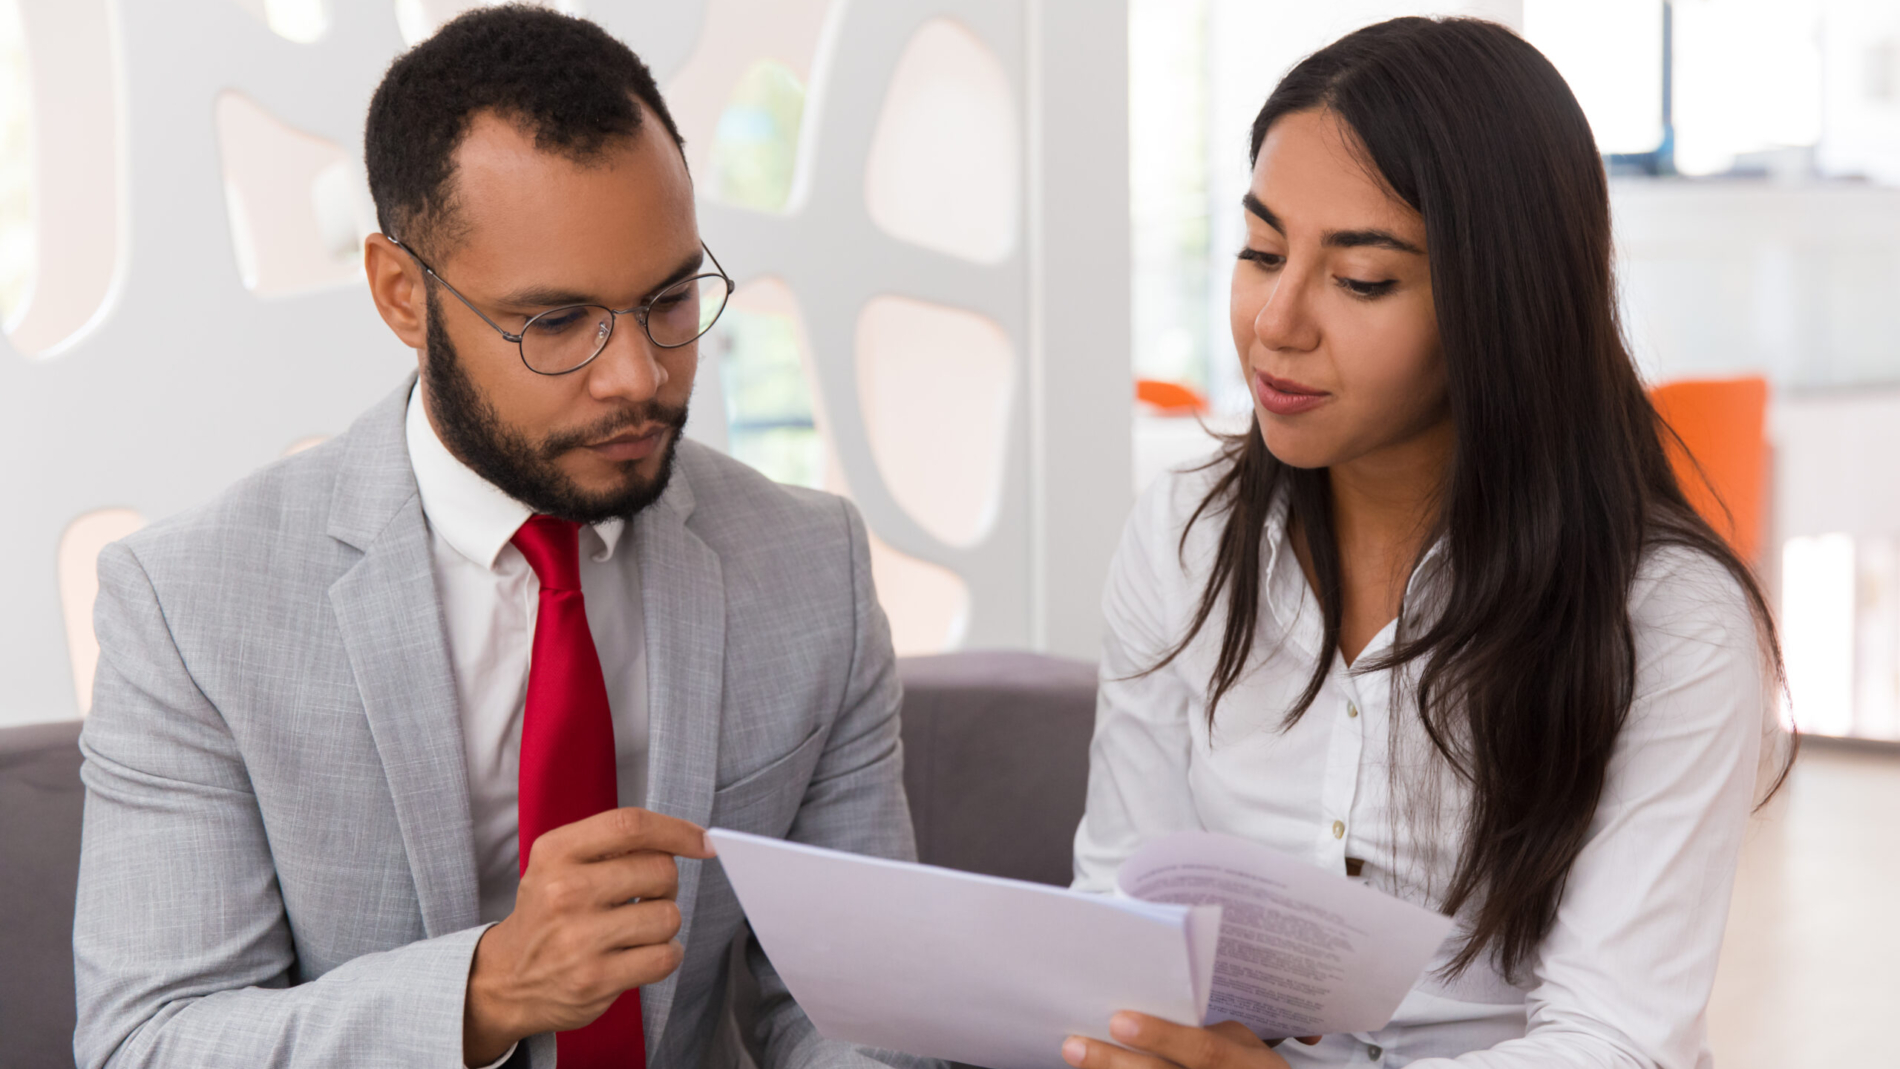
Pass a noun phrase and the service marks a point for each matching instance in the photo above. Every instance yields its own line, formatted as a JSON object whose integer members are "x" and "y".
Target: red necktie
{"x": 567, "y": 755}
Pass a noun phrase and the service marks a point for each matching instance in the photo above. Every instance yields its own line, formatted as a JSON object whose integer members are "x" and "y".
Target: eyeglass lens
{"x": 565, "y": 338}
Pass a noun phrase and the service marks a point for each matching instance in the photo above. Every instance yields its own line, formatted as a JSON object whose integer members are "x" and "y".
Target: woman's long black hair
{"x": 1559, "y": 482}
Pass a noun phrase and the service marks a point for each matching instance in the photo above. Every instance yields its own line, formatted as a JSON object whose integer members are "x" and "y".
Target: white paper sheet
{"x": 952, "y": 965}
{"x": 997, "y": 972}
{"x": 1302, "y": 951}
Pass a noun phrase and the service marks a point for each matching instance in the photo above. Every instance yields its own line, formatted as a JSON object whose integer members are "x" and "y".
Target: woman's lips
{"x": 1284, "y": 397}
{"x": 630, "y": 446}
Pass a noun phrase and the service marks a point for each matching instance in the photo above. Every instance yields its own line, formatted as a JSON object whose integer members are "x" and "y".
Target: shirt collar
{"x": 474, "y": 516}
{"x": 1281, "y": 578}
{"x": 1288, "y": 592}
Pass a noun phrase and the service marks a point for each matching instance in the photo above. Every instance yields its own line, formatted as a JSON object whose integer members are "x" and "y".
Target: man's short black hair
{"x": 563, "y": 79}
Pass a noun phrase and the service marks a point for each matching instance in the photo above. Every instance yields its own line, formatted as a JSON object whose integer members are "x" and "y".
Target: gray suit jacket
{"x": 278, "y": 867}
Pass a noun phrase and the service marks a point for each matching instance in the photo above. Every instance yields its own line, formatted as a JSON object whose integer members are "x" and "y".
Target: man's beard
{"x": 525, "y": 470}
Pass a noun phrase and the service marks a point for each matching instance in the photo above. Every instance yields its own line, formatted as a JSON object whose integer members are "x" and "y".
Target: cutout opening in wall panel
{"x": 298, "y": 204}
{"x": 928, "y": 605}
{"x": 945, "y": 167}
{"x": 19, "y": 228}
{"x": 759, "y": 351}
{"x": 417, "y": 19}
{"x": 59, "y": 107}
{"x": 776, "y": 424}
{"x": 935, "y": 384}
{"x": 302, "y": 21}
{"x": 738, "y": 38}
{"x": 755, "y": 146}
{"x": 78, "y": 563}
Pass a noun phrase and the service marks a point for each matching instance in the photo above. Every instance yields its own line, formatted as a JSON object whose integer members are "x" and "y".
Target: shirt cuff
{"x": 497, "y": 1063}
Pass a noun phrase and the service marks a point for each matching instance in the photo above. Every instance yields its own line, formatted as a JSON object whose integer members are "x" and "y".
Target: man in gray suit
{"x": 508, "y": 609}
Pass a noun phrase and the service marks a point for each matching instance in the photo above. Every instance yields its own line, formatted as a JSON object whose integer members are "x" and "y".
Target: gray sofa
{"x": 996, "y": 763}
{"x": 996, "y": 760}
{"x": 40, "y": 803}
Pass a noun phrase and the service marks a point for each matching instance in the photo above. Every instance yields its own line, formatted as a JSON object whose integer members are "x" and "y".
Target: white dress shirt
{"x": 1623, "y": 978}
{"x": 490, "y": 598}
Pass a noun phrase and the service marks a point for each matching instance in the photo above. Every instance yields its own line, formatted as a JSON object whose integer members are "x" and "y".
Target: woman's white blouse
{"x": 1623, "y": 978}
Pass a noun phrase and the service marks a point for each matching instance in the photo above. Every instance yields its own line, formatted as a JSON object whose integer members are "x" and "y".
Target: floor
{"x": 1810, "y": 972}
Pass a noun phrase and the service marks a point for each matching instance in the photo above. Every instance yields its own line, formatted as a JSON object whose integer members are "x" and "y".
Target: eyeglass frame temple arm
{"x": 424, "y": 264}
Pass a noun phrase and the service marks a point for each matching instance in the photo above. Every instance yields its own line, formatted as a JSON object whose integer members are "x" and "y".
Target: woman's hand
{"x": 1159, "y": 1044}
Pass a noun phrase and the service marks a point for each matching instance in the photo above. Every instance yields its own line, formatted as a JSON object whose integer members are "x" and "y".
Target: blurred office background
{"x": 925, "y": 205}
{"x": 1754, "y": 153}
{"x": 983, "y": 249}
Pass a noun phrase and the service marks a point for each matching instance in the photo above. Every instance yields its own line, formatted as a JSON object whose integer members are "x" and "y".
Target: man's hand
{"x": 1157, "y": 1044}
{"x": 594, "y": 917}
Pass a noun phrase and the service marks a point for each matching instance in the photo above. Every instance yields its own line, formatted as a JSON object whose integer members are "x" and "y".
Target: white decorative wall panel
{"x": 234, "y": 329}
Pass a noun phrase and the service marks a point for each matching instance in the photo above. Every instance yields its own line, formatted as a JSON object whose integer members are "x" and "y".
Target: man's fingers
{"x": 639, "y": 966}
{"x": 637, "y": 924}
{"x": 623, "y": 949}
{"x": 647, "y": 874}
{"x": 599, "y": 980}
{"x": 622, "y": 831}
{"x": 1095, "y": 1054}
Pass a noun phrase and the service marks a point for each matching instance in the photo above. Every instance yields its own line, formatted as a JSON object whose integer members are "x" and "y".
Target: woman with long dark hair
{"x": 1442, "y": 619}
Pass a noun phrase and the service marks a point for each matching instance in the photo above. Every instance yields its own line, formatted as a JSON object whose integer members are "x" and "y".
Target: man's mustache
{"x": 643, "y": 415}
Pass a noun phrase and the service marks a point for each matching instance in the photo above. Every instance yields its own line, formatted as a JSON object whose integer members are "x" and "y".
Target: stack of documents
{"x": 996, "y": 972}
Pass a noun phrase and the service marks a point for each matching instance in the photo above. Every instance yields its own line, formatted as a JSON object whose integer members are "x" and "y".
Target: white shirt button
{"x": 1375, "y": 1053}
{"x": 1351, "y": 710}
{"x": 1339, "y": 829}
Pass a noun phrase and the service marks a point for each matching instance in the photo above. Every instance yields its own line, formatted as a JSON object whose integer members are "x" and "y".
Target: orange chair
{"x": 1171, "y": 398}
{"x": 1723, "y": 424}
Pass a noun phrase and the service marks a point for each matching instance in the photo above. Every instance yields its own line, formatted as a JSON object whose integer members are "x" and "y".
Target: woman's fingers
{"x": 1184, "y": 1045}
{"x": 1155, "y": 1043}
{"x": 1235, "y": 1032}
{"x": 1227, "y": 1045}
{"x": 1095, "y": 1054}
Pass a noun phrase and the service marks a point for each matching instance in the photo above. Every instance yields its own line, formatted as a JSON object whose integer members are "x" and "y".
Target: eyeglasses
{"x": 568, "y": 338}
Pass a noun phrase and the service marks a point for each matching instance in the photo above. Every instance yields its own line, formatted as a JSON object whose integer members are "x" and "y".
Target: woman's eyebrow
{"x": 1337, "y": 239}
{"x": 1261, "y": 211}
{"x": 1358, "y": 239}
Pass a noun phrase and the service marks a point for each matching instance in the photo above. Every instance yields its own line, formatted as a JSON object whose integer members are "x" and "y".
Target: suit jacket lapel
{"x": 684, "y": 609}
{"x": 391, "y": 621}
